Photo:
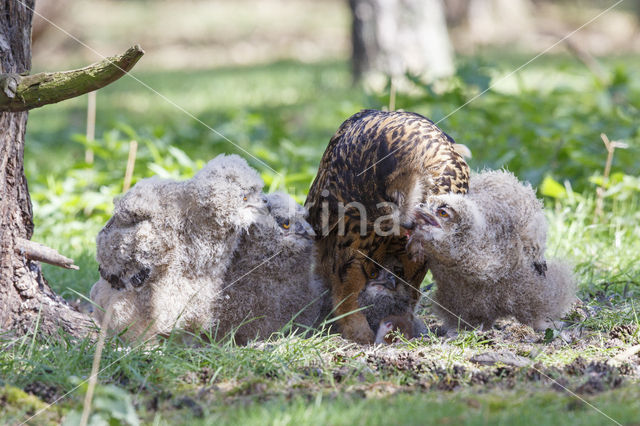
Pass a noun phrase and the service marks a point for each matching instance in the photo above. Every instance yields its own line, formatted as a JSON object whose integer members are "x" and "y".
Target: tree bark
{"x": 395, "y": 36}
{"x": 27, "y": 302}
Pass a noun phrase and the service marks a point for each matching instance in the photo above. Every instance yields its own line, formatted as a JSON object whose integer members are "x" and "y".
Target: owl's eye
{"x": 442, "y": 213}
{"x": 245, "y": 198}
{"x": 285, "y": 224}
{"x": 373, "y": 274}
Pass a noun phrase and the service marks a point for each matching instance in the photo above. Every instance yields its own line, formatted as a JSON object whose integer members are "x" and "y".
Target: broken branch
{"x": 624, "y": 355}
{"x": 611, "y": 147}
{"x": 586, "y": 58}
{"x": 131, "y": 162}
{"x": 22, "y": 93}
{"x": 41, "y": 253}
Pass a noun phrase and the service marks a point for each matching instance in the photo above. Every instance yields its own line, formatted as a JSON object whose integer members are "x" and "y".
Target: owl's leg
{"x": 345, "y": 291}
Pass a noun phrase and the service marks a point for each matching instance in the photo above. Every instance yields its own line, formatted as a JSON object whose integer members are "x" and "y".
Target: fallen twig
{"x": 95, "y": 366}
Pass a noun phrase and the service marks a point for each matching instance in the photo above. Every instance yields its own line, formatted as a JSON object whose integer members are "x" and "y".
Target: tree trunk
{"x": 26, "y": 300}
{"x": 500, "y": 21}
{"x": 395, "y": 36}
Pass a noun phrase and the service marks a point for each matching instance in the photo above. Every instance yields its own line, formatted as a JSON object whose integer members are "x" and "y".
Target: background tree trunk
{"x": 395, "y": 36}
{"x": 501, "y": 21}
{"x": 25, "y": 297}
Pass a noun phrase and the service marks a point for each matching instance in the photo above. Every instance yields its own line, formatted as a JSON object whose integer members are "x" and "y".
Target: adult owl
{"x": 377, "y": 168}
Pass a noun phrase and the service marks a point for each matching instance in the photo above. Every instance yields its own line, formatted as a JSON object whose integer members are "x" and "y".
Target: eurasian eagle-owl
{"x": 387, "y": 162}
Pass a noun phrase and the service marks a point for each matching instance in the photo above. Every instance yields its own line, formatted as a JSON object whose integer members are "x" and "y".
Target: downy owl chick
{"x": 486, "y": 253}
{"x": 168, "y": 246}
{"x": 385, "y": 295}
{"x": 270, "y": 281}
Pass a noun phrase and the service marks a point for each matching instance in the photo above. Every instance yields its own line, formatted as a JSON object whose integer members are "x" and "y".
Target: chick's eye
{"x": 442, "y": 213}
{"x": 285, "y": 224}
{"x": 373, "y": 274}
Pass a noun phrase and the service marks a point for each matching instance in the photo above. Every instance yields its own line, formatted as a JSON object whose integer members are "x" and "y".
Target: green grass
{"x": 509, "y": 408}
{"x": 287, "y": 380}
{"x": 543, "y": 122}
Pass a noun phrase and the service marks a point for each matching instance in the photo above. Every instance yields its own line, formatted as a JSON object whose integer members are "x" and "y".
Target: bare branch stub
{"x": 39, "y": 252}
{"x": 611, "y": 147}
{"x": 36, "y": 90}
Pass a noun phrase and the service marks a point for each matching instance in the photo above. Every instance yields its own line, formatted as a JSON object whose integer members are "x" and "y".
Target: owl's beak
{"x": 261, "y": 204}
{"x": 305, "y": 230}
{"x": 391, "y": 282}
{"x": 424, "y": 218}
{"x": 409, "y": 224}
{"x": 385, "y": 280}
{"x": 265, "y": 202}
{"x": 113, "y": 279}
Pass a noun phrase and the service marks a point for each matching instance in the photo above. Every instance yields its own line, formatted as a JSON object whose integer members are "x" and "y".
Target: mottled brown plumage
{"x": 376, "y": 157}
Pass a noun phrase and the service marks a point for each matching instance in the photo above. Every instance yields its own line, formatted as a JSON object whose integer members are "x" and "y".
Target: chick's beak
{"x": 409, "y": 224}
{"x": 385, "y": 280}
{"x": 390, "y": 282}
{"x": 305, "y": 230}
{"x": 265, "y": 202}
{"x": 425, "y": 218}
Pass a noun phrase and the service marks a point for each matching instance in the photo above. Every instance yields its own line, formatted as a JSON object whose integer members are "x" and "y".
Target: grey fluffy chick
{"x": 270, "y": 282}
{"x": 486, "y": 253}
{"x": 168, "y": 246}
{"x": 385, "y": 295}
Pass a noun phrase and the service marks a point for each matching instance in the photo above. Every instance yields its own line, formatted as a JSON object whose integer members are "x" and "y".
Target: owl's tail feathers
{"x": 463, "y": 150}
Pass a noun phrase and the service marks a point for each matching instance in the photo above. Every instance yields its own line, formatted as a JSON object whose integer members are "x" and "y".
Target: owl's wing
{"x": 336, "y": 165}
{"x": 374, "y": 156}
